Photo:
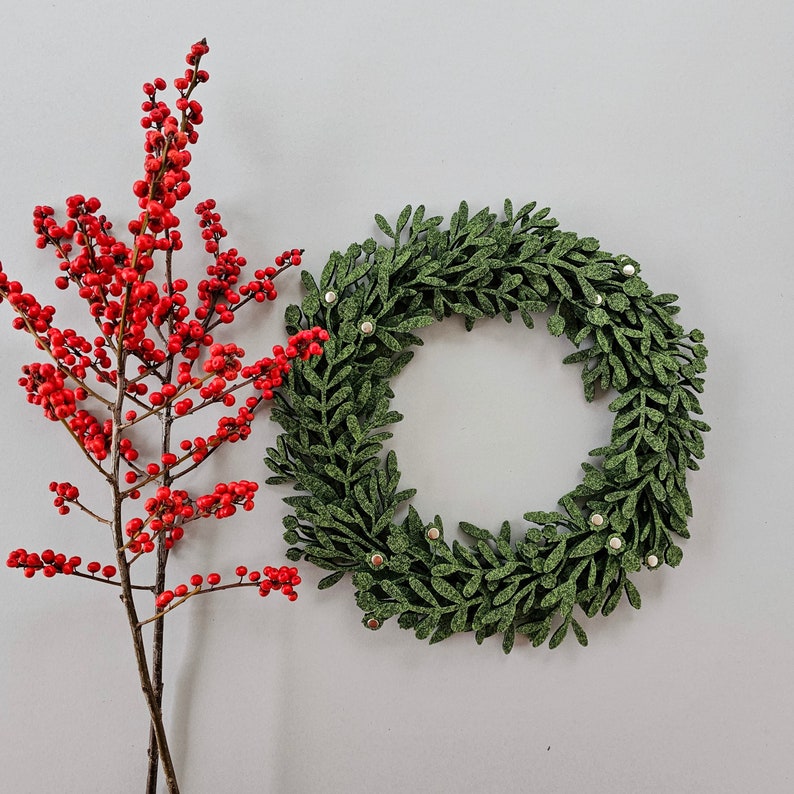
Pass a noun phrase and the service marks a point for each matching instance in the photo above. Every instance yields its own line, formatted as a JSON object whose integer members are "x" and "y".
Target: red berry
{"x": 196, "y": 580}
{"x": 164, "y": 599}
{"x": 213, "y": 578}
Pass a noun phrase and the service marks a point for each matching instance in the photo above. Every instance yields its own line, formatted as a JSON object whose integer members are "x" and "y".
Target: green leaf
{"x": 330, "y": 581}
{"x": 589, "y": 546}
{"x": 554, "y": 559}
{"x": 508, "y": 639}
{"x": 581, "y": 636}
{"x": 559, "y": 635}
{"x": 556, "y": 325}
{"x": 597, "y": 317}
{"x": 674, "y": 555}
{"x": 472, "y": 586}
{"x": 612, "y": 602}
{"x": 633, "y": 594}
{"x": 383, "y": 225}
{"x": 445, "y": 589}
{"x": 596, "y": 272}
{"x": 403, "y": 219}
{"x": 460, "y": 618}
{"x": 562, "y": 285}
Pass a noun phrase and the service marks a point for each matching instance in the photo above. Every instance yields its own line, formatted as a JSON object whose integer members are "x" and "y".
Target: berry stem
{"x": 167, "y": 419}
{"x": 197, "y": 591}
{"x": 114, "y": 582}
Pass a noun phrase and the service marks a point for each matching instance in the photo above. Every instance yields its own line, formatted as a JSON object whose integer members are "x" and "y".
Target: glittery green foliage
{"x": 632, "y": 502}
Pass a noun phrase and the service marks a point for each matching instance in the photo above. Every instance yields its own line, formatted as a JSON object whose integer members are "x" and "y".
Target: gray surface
{"x": 662, "y": 129}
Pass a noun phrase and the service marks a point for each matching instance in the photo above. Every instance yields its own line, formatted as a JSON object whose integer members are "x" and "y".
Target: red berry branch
{"x": 151, "y": 356}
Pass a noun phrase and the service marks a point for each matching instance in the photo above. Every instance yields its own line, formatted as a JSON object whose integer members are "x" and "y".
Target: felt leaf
{"x": 565, "y": 243}
{"x": 559, "y": 635}
{"x": 581, "y": 636}
{"x": 598, "y": 272}
{"x": 501, "y": 572}
{"x": 506, "y": 593}
{"x": 426, "y": 626}
{"x": 383, "y": 225}
{"x": 556, "y": 325}
{"x": 562, "y": 285}
{"x": 474, "y": 531}
{"x": 411, "y": 323}
{"x": 472, "y": 586}
{"x": 617, "y": 301}
{"x": 597, "y": 317}
{"x": 464, "y": 554}
{"x": 554, "y": 559}
{"x": 441, "y": 633}
{"x": 634, "y": 287}
{"x": 588, "y": 546}
{"x": 619, "y": 376}
{"x": 633, "y": 594}
{"x": 509, "y": 639}
{"x": 612, "y": 602}
{"x": 623, "y": 400}
{"x": 673, "y": 556}
{"x": 488, "y": 553}
{"x": 403, "y": 219}
{"x": 539, "y": 631}
{"x": 460, "y": 619}
{"x": 330, "y": 581}
{"x": 445, "y": 589}
{"x": 562, "y": 592}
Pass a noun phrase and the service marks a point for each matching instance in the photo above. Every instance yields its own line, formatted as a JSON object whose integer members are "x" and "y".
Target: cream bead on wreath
{"x": 632, "y": 501}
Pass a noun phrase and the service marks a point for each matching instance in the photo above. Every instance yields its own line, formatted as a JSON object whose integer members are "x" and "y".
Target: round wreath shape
{"x": 624, "y": 515}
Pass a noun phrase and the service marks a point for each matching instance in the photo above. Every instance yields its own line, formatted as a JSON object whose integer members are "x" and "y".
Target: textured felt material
{"x": 625, "y": 513}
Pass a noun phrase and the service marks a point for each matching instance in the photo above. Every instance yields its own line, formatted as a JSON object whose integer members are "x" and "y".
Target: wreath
{"x": 334, "y": 410}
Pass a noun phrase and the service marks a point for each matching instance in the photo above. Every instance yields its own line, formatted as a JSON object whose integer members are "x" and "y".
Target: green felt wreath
{"x": 625, "y": 513}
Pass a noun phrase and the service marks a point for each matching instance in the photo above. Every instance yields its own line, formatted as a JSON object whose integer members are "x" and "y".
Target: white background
{"x": 663, "y": 129}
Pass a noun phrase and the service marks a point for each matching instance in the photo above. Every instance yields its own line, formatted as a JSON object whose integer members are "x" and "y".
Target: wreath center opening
{"x": 494, "y": 422}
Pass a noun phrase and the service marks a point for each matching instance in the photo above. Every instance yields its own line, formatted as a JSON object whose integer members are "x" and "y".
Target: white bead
{"x": 433, "y": 533}
{"x": 596, "y": 519}
{"x": 330, "y": 296}
{"x": 615, "y": 543}
{"x": 598, "y": 300}
{"x": 373, "y": 623}
{"x": 376, "y": 560}
{"x": 628, "y": 270}
{"x": 652, "y": 560}
{"x": 367, "y": 327}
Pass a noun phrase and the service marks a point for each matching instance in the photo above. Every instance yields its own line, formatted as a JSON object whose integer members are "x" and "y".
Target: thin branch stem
{"x": 197, "y": 591}
{"x": 114, "y": 582}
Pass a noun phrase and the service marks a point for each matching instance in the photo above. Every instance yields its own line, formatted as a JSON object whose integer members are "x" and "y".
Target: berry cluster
{"x": 150, "y": 346}
{"x": 221, "y": 502}
{"x": 283, "y": 579}
{"x": 153, "y": 356}
{"x": 50, "y": 563}
{"x": 65, "y": 492}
